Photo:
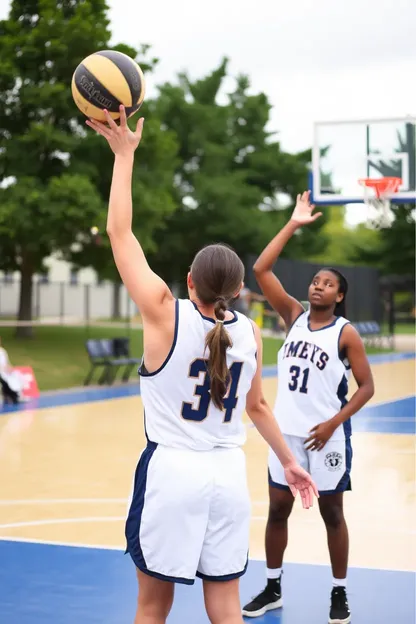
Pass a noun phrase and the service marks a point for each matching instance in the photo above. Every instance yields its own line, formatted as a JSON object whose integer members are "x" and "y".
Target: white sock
{"x": 274, "y": 573}
{"x": 339, "y": 582}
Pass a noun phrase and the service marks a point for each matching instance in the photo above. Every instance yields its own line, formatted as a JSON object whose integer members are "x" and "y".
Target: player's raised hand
{"x": 303, "y": 212}
{"x": 120, "y": 138}
{"x": 301, "y": 481}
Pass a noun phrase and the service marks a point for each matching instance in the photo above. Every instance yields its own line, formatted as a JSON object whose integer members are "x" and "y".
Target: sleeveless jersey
{"x": 177, "y": 402}
{"x": 312, "y": 378}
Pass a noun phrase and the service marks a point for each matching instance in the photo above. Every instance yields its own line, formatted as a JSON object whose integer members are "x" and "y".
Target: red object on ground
{"x": 30, "y": 388}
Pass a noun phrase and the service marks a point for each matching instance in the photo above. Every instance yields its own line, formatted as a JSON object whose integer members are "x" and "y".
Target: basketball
{"x": 106, "y": 79}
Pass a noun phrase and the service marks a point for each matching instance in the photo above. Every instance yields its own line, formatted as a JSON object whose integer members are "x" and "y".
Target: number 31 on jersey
{"x": 202, "y": 391}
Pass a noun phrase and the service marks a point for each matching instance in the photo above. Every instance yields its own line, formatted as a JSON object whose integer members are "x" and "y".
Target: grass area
{"x": 58, "y": 355}
{"x": 400, "y": 328}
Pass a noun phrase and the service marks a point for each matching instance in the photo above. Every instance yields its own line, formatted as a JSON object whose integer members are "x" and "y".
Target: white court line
{"x": 314, "y": 522}
{"x": 29, "y": 523}
{"x": 122, "y": 549}
{"x": 77, "y": 501}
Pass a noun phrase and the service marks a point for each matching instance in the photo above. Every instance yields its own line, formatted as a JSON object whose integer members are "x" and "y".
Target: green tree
{"x": 55, "y": 174}
{"x": 231, "y": 172}
{"x": 153, "y": 188}
{"x": 44, "y": 205}
{"x": 395, "y": 251}
{"x": 344, "y": 241}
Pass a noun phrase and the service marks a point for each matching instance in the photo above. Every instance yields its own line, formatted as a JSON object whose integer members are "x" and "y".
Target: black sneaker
{"x": 340, "y": 611}
{"x": 270, "y": 598}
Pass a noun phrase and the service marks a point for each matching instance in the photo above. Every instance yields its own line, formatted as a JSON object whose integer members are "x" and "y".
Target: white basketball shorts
{"x": 189, "y": 514}
{"x": 329, "y": 468}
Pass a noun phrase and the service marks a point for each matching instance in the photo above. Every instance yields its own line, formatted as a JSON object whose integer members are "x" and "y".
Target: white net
{"x": 377, "y": 198}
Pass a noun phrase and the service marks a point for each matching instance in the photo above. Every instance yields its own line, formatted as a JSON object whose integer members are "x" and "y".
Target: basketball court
{"x": 67, "y": 463}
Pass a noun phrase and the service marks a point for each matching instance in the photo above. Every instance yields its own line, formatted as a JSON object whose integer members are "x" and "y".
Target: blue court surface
{"x": 45, "y": 584}
{"x": 52, "y": 583}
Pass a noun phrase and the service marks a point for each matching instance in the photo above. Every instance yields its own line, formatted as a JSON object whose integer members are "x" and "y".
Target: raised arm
{"x": 149, "y": 292}
{"x": 261, "y": 415}
{"x": 285, "y": 305}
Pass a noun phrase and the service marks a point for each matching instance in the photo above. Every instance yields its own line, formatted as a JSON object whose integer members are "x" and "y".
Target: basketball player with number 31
{"x": 314, "y": 364}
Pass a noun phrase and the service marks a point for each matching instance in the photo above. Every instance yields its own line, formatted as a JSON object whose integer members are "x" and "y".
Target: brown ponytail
{"x": 218, "y": 340}
{"x": 217, "y": 273}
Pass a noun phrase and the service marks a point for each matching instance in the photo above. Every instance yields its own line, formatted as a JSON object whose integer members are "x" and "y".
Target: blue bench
{"x": 109, "y": 354}
{"x": 370, "y": 332}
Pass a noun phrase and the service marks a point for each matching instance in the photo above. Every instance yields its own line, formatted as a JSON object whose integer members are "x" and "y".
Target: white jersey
{"x": 312, "y": 378}
{"x": 177, "y": 403}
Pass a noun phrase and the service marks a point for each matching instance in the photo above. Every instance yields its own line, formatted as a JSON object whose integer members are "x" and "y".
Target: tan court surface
{"x": 66, "y": 474}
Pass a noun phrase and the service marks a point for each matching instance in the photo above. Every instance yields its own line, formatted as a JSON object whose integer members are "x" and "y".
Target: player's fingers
{"x": 139, "y": 127}
{"x": 110, "y": 120}
{"x": 303, "y": 499}
{"x": 293, "y": 490}
{"x": 310, "y": 496}
{"x": 314, "y": 489}
{"x": 316, "y": 216}
{"x": 306, "y": 498}
{"x": 98, "y": 128}
{"x": 123, "y": 118}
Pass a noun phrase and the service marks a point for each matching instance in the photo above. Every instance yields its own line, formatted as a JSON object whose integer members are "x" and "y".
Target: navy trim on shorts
{"x": 132, "y": 530}
{"x": 344, "y": 484}
{"x": 225, "y": 577}
{"x": 142, "y": 368}
{"x": 278, "y": 486}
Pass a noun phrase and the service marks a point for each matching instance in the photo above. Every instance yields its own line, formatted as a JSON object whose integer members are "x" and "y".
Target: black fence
{"x": 364, "y": 301}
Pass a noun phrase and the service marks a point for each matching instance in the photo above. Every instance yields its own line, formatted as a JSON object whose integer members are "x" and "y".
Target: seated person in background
{"x": 11, "y": 380}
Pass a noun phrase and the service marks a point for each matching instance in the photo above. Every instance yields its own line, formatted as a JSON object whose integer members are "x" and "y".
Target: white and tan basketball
{"x": 106, "y": 79}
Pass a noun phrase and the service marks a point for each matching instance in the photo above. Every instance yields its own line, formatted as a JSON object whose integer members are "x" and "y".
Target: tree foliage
{"x": 55, "y": 175}
{"x": 394, "y": 252}
{"x": 231, "y": 172}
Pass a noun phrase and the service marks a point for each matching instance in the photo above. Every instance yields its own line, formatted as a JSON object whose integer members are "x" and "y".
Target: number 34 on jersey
{"x": 198, "y": 413}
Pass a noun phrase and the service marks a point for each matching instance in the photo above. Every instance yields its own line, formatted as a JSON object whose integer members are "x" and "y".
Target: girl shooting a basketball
{"x": 190, "y": 509}
{"x": 314, "y": 363}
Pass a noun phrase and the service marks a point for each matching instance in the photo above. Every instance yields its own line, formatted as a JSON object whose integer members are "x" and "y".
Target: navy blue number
{"x": 293, "y": 384}
{"x": 202, "y": 390}
{"x": 230, "y": 401}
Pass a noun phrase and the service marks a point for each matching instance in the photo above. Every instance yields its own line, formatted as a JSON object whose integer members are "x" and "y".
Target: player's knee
{"x": 156, "y": 608}
{"x": 279, "y": 511}
{"x": 332, "y": 515}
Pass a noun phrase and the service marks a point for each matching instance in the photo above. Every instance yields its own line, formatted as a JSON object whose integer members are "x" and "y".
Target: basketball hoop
{"x": 377, "y": 198}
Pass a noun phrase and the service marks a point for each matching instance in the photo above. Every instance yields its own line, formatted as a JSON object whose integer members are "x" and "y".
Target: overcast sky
{"x": 315, "y": 59}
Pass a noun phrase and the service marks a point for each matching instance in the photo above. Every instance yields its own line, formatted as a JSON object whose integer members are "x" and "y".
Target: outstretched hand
{"x": 300, "y": 481}
{"x": 120, "y": 138}
{"x": 302, "y": 214}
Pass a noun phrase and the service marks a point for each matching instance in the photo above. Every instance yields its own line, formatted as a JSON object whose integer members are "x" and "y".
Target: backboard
{"x": 345, "y": 151}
